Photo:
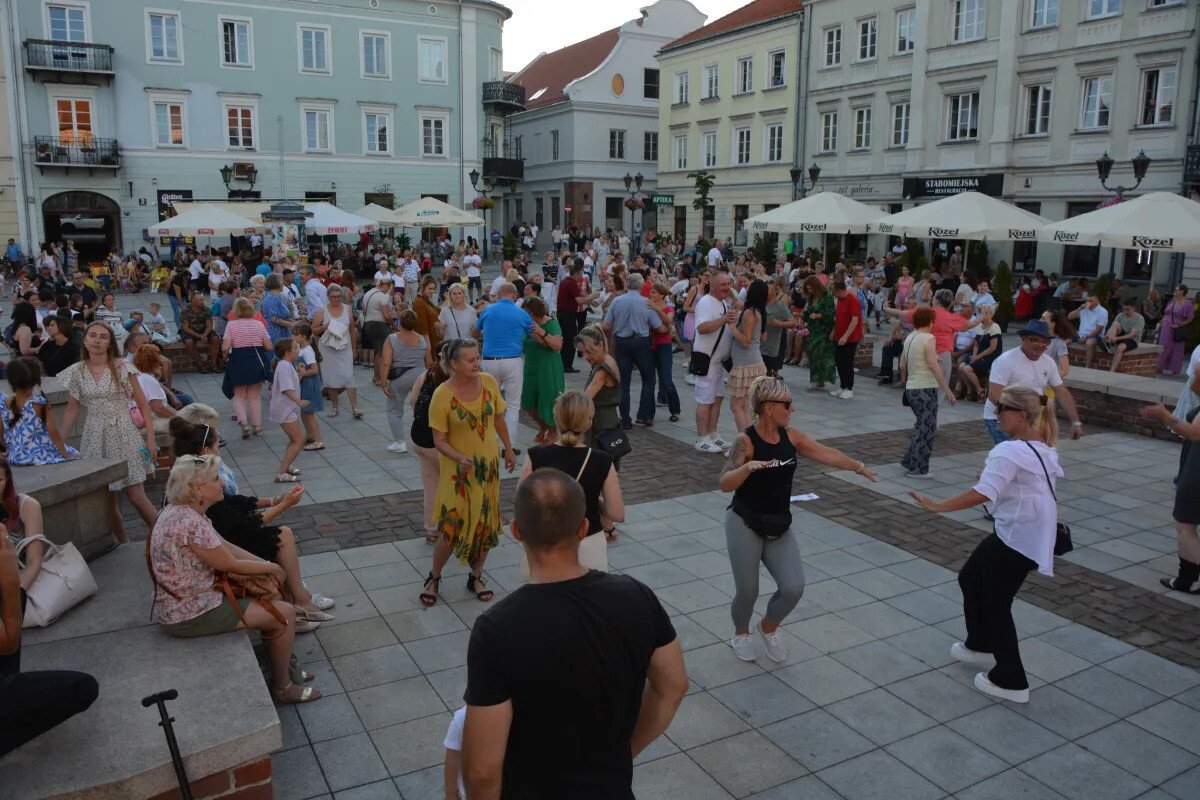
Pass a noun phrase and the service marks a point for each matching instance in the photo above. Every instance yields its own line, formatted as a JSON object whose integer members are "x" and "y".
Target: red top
{"x": 665, "y": 338}
{"x": 847, "y": 308}
{"x": 646, "y": 289}
{"x": 568, "y": 293}
{"x": 945, "y": 324}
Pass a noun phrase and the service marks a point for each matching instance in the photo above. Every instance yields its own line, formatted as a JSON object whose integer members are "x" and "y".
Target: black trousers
{"x": 889, "y": 353}
{"x": 843, "y": 358}
{"x": 569, "y": 322}
{"x": 32, "y": 703}
{"x": 989, "y": 581}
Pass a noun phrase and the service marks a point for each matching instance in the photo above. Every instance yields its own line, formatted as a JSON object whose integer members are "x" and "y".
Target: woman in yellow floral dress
{"x": 466, "y": 415}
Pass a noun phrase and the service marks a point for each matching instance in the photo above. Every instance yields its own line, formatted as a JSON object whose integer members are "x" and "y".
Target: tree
{"x": 978, "y": 265}
{"x": 705, "y": 180}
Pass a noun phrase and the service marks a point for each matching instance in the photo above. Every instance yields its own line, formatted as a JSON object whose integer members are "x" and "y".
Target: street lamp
{"x": 226, "y": 175}
{"x": 250, "y": 174}
{"x": 799, "y": 189}
{"x": 488, "y": 187}
{"x": 636, "y": 181}
{"x": 1104, "y": 165}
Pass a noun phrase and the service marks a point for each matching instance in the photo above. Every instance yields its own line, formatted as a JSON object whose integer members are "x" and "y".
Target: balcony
{"x": 503, "y": 97}
{"x": 68, "y": 62}
{"x": 502, "y": 160}
{"x": 82, "y": 151}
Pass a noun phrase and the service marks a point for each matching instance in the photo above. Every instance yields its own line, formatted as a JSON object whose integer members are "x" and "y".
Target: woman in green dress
{"x": 543, "y": 369}
{"x": 818, "y": 316}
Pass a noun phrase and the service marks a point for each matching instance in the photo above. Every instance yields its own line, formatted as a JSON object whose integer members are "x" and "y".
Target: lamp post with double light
{"x": 488, "y": 188}
{"x": 799, "y": 190}
{"x": 633, "y": 203}
{"x": 1104, "y": 165}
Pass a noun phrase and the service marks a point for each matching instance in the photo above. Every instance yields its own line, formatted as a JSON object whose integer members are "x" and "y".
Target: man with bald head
{"x": 503, "y": 327}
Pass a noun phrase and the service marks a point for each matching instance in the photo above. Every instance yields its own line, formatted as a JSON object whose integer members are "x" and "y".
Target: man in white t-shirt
{"x": 195, "y": 270}
{"x": 1093, "y": 322}
{"x": 410, "y": 272}
{"x": 474, "y": 267}
{"x": 1029, "y": 366}
{"x": 715, "y": 259}
{"x": 315, "y": 296}
{"x": 713, "y": 316}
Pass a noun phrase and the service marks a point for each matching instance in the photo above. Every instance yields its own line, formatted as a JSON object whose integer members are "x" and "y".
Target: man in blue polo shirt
{"x": 631, "y": 319}
{"x": 504, "y": 327}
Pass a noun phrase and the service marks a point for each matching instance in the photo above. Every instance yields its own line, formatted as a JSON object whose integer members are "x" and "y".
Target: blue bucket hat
{"x": 1035, "y": 327}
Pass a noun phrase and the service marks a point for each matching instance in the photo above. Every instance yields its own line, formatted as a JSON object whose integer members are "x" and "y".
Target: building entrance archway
{"x": 90, "y": 219}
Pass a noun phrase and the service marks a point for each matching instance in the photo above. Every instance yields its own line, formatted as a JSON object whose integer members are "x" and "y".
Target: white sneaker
{"x": 719, "y": 442}
{"x": 689, "y": 379}
{"x": 835, "y": 392}
{"x": 961, "y": 652}
{"x": 321, "y": 601}
{"x": 923, "y": 476}
{"x": 397, "y": 447}
{"x": 985, "y": 685}
{"x": 775, "y": 649}
{"x": 846, "y": 394}
{"x": 743, "y": 648}
{"x": 707, "y": 445}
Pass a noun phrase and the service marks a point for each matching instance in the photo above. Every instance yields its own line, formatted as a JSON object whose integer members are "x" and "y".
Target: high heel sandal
{"x": 429, "y": 598}
{"x": 483, "y": 593}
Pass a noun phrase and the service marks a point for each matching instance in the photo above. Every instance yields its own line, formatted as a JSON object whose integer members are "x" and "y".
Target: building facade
{"x": 118, "y": 114}
{"x": 9, "y": 224}
{"x": 908, "y": 101}
{"x": 731, "y": 94}
{"x": 592, "y": 118}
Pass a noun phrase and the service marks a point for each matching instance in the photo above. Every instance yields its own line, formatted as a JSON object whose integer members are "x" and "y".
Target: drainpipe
{"x": 462, "y": 128}
{"x": 800, "y": 143}
{"x": 20, "y": 122}
{"x": 1177, "y": 259}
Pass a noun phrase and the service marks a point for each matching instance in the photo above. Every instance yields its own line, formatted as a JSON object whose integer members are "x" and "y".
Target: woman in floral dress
{"x": 466, "y": 415}
{"x": 818, "y": 316}
{"x": 105, "y": 384}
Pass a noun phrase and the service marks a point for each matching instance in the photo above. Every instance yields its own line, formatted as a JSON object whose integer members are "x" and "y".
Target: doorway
{"x": 89, "y": 219}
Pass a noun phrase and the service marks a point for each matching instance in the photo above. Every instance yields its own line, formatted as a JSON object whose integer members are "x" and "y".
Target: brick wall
{"x": 1119, "y": 413}
{"x": 864, "y": 356}
{"x": 249, "y": 781}
{"x": 1143, "y": 361}
{"x": 181, "y": 360}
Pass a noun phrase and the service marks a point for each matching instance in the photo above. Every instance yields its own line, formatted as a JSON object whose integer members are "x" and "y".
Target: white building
{"x": 591, "y": 118}
{"x": 1018, "y": 99}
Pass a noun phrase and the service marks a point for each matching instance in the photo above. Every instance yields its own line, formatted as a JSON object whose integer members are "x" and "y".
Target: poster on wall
{"x": 286, "y": 240}
{"x": 165, "y": 198}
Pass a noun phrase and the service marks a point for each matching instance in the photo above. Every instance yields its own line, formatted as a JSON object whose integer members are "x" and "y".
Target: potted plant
{"x": 635, "y": 204}
{"x": 508, "y": 246}
{"x": 483, "y": 203}
{"x": 1103, "y": 288}
{"x": 1004, "y": 295}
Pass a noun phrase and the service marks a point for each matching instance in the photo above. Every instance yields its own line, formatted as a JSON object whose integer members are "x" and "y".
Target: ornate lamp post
{"x": 799, "y": 189}
{"x": 1104, "y": 165}
{"x": 633, "y": 203}
{"x": 488, "y": 187}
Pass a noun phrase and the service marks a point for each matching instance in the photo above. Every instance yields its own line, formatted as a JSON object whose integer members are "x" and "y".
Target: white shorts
{"x": 711, "y": 386}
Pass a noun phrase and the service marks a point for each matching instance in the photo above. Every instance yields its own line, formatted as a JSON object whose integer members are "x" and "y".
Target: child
{"x": 452, "y": 770}
{"x": 286, "y": 405}
{"x": 29, "y": 432}
{"x": 310, "y": 386}
{"x": 159, "y": 278}
{"x": 156, "y": 325}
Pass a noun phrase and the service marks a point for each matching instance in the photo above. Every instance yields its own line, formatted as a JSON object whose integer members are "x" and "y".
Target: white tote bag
{"x": 63, "y": 583}
{"x": 593, "y": 549}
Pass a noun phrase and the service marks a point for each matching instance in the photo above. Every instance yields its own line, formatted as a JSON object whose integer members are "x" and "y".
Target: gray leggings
{"x": 395, "y": 404}
{"x": 782, "y": 558}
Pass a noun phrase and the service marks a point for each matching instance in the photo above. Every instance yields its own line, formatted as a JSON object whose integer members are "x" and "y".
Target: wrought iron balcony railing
{"x": 78, "y": 150}
{"x": 504, "y": 95}
{"x": 48, "y": 54}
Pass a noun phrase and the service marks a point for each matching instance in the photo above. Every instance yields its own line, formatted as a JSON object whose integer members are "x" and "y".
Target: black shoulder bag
{"x": 700, "y": 362}
{"x": 1062, "y": 533}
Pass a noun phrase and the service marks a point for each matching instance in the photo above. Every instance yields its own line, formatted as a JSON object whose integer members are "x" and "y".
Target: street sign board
{"x": 567, "y": 209}
{"x": 662, "y": 199}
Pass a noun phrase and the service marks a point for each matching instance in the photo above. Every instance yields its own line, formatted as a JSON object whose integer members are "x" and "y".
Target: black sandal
{"x": 484, "y": 594}
{"x": 611, "y": 533}
{"x": 429, "y": 598}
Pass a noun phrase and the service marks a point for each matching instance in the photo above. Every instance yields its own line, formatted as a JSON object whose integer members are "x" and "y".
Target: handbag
{"x": 1062, "y": 533}
{"x": 615, "y": 443}
{"x": 593, "y": 548}
{"x": 63, "y": 583}
{"x": 700, "y": 362}
{"x": 266, "y": 372}
{"x": 1179, "y": 334}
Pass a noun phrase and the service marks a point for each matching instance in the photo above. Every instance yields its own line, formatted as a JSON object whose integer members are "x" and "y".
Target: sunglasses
{"x": 1002, "y": 407}
{"x": 785, "y": 403}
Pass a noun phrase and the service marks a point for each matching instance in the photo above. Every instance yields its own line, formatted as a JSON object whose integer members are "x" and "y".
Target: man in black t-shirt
{"x": 570, "y": 676}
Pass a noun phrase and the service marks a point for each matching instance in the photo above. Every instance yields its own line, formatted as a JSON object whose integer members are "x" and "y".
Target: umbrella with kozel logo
{"x": 824, "y": 212}
{"x": 967, "y": 215}
{"x": 1154, "y": 221}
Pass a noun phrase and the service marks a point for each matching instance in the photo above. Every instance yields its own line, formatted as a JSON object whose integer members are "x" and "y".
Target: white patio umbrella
{"x": 967, "y": 215}
{"x": 824, "y": 212}
{"x": 1154, "y": 221}
{"x": 329, "y": 220}
{"x": 205, "y": 220}
{"x": 378, "y": 213}
{"x": 429, "y": 212}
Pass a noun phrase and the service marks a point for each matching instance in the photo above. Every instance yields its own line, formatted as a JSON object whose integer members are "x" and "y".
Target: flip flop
{"x": 332, "y": 413}
{"x": 283, "y": 477}
{"x": 307, "y": 695}
{"x": 294, "y": 471}
{"x": 314, "y": 446}
{"x": 358, "y": 414}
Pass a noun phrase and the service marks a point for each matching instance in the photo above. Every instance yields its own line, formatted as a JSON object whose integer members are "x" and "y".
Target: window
{"x": 963, "y": 117}
{"x": 906, "y": 27}
{"x": 168, "y": 124}
{"x": 741, "y": 140}
{"x": 1025, "y": 253}
{"x": 1158, "y": 96}
{"x": 432, "y": 55}
{"x": 740, "y": 214}
{"x": 554, "y": 145}
{"x": 164, "y": 36}
{"x": 650, "y": 83}
{"x": 777, "y": 62}
{"x": 316, "y": 130}
{"x": 1103, "y": 8}
{"x": 1076, "y": 259}
{"x": 236, "y": 43}
{"x": 67, "y": 23}
{"x": 239, "y": 122}
{"x": 745, "y": 75}
{"x": 862, "y": 128}
{"x": 314, "y": 50}
{"x": 376, "y": 125}
{"x": 833, "y": 47}
{"x": 1163, "y": 3}
{"x": 616, "y": 144}
{"x": 1097, "y": 103}
{"x": 495, "y": 64}
{"x": 900, "y": 118}
{"x": 710, "y": 149}
{"x": 1037, "y": 110}
{"x": 829, "y": 126}
{"x": 433, "y": 136}
{"x": 1045, "y": 13}
{"x": 376, "y": 55}
{"x": 710, "y": 82}
{"x": 867, "y": 35}
{"x": 650, "y": 146}
{"x": 681, "y": 87}
{"x": 681, "y": 152}
{"x": 968, "y": 19}
{"x": 774, "y": 142}
{"x": 74, "y": 120}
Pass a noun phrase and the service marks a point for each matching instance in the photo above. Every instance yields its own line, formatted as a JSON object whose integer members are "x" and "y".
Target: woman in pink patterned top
{"x": 185, "y": 553}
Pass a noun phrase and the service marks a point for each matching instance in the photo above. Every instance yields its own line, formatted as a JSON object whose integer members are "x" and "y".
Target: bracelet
{"x": 1076, "y": 424}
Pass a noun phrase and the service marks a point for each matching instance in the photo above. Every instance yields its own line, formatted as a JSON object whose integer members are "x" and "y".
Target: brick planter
{"x": 1119, "y": 413}
{"x": 249, "y": 781}
{"x": 1142, "y": 361}
{"x": 864, "y": 356}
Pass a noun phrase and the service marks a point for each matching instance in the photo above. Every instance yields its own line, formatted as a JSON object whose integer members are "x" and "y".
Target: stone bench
{"x": 181, "y": 359}
{"x": 1114, "y": 400}
{"x": 76, "y": 504}
{"x": 57, "y": 396}
{"x": 1143, "y": 361}
{"x": 225, "y": 721}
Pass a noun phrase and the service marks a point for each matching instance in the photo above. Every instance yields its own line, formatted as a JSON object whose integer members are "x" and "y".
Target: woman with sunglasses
{"x": 1018, "y": 479}
{"x": 759, "y": 472}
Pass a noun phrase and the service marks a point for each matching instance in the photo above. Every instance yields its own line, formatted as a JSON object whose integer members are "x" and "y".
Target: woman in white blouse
{"x": 1018, "y": 479}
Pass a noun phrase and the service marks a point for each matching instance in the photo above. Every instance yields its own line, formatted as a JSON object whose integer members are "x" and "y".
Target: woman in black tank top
{"x": 759, "y": 472}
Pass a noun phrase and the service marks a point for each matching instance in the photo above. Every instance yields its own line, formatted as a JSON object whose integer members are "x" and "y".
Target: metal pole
{"x": 185, "y": 788}
{"x": 279, "y": 122}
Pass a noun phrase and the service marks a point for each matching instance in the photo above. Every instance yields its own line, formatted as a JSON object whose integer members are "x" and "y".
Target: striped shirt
{"x": 245, "y": 332}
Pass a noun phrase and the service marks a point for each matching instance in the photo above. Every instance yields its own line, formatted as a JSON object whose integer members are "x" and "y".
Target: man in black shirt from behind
{"x": 570, "y": 676}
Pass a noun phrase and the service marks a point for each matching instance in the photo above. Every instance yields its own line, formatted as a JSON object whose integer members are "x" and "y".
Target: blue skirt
{"x": 310, "y": 390}
{"x": 246, "y": 366}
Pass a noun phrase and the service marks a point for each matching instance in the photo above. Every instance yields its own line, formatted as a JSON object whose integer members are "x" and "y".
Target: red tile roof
{"x": 755, "y": 13}
{"x": 553, "y": 71}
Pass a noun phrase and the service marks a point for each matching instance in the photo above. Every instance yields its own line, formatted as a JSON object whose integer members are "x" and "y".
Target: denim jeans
{"x": 174, "y": 301}
{"x": 630, "y": 351}
{"x": 666, "y": 382}
{"x": 993, "y": 429}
